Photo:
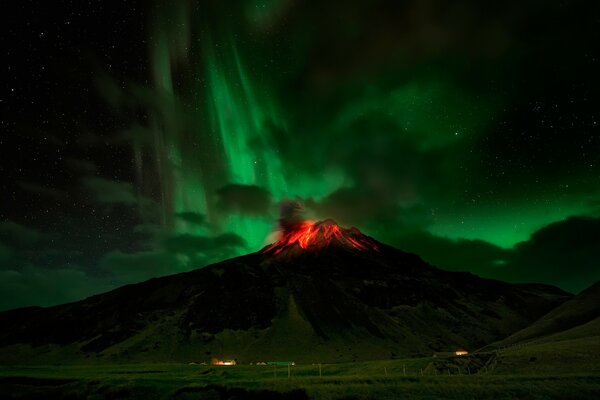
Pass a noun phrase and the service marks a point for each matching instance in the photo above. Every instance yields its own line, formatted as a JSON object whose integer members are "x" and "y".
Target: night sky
{"x": 141, "y": 139}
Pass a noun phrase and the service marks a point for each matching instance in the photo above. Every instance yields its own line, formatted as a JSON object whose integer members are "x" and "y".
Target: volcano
{"x": 313, "y": 236}
{"x": 321, "y": 293}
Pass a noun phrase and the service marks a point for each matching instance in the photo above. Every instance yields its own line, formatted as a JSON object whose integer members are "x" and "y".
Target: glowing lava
{"x": 309, "y": 234}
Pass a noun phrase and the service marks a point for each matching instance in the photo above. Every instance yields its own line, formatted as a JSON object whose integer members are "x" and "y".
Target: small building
{"x": 461, "y": 352}
{"x": 223, "y": 362}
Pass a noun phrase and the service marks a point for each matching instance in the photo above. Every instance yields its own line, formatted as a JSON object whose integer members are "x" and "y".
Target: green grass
{"x": 575, "y": 356}
{"x": 367, "y": 380}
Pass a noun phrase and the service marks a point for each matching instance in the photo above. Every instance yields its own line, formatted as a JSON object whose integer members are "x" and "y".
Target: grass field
{"x": 509, "y": 375}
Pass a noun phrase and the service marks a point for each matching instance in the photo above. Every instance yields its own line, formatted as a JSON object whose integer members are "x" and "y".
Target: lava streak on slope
{"x": 313, "y": 235}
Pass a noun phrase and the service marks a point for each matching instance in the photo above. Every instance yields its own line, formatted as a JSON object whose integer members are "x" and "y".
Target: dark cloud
{"x": 476, "y": 256}
{"x": 192, "y": 217}
{"x": 200, "y": 250}
{"x": 349, "y": 206}
{"x": 136, "y": 267}
{"x": 33, "y": 286}
{"x": 244, "y": 199}
{"x": 228, "y": 240}
{"x": 179, "y": 253}
{"x": 594, "y": 208}
{"x": 565, "y": 253}
{"x": 110, "y": 192}
{"x": 37, "y": 268}
{"x": 21, "y": 237}
{"x": 5, "y": 254}
{"x": 376, "y": 212}
{"x": 191, "y": 244}
{"x": 363, "y": 207}
{"x": 148, "y": 229}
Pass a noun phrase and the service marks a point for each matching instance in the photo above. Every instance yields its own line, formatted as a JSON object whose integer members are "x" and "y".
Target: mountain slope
{"x": 320, "y": 294}
{"x": 576, "y": 318}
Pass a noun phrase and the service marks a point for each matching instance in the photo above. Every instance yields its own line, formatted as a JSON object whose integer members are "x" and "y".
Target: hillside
{"x": 579, "y": 317}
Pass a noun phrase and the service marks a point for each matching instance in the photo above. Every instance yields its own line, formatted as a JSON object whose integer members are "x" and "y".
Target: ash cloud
{"x": 291, "y": 214}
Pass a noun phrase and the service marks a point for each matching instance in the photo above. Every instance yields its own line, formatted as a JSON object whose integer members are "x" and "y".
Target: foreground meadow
{"x": 510, "y": 376}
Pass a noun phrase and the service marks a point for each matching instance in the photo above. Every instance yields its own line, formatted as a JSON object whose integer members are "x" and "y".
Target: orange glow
{"x": 461, "y": 352}
{"x": 216, "y": 361}
{"x": 320, "y": 234}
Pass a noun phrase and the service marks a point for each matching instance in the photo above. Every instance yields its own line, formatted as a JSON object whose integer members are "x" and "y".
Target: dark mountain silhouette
{"x": 320, "y": 294}
{"x": 577, "y": 318}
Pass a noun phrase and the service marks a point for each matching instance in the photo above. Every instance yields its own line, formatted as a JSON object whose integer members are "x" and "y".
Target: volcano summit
{"x": 312, "y": 236}
{"x": 321, "y": 293}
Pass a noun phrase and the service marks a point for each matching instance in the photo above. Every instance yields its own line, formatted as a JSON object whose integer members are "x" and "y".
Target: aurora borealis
{"x": 141, "y": 139}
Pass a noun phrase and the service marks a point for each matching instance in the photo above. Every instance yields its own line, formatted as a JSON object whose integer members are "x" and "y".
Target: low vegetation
{"x": 520, "y": 372}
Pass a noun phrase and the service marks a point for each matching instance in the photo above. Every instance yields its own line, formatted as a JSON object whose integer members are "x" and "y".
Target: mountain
{"x": 321, "y": 293}
{"x": 577, "y": 318}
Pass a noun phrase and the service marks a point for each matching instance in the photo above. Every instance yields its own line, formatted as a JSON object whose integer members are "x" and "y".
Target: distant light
{"x": 461, "y": 352}
{"x": 223, "y": 362}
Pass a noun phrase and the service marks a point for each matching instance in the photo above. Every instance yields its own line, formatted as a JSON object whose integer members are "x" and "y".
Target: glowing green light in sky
{"x": 409, "y": 141}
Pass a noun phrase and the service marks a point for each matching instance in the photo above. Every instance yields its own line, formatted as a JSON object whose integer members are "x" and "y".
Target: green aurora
{"x": 243, "y": 134}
